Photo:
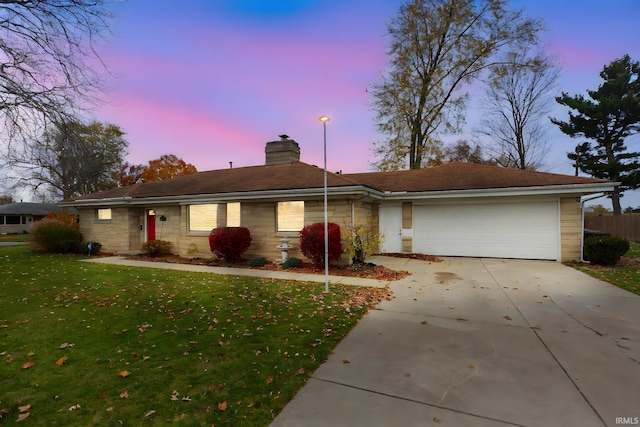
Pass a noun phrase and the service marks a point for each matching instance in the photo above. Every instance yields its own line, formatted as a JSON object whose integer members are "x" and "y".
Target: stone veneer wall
{"x": 120, "y": 234}
{"x": 570, "y": 228}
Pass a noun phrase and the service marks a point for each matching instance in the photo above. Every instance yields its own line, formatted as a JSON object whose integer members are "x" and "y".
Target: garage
{"x": 524, "y": 229}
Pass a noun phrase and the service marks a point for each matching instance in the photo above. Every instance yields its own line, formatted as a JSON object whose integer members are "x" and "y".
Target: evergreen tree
{"x": 607, "y": 117}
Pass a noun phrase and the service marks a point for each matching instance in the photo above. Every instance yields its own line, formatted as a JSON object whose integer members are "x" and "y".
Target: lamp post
{"x": 324, "y": 120}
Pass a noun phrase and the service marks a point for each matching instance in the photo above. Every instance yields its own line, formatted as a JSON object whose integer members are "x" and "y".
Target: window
{"x": 12, "y": 219}
{"x": 290, "y": 216}
{"x": 104, "y": 214}
{"x": 233, "y": 214}
{"x": 203, "y": 217}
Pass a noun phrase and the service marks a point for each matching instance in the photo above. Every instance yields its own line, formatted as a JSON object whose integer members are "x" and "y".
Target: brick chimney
{"x": 283, "y": 152}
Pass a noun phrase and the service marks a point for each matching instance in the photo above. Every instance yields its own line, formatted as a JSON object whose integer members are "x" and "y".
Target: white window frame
{"x": 202, "y": 225}
{"x": 234, "y": 214}
{"x": 104, "y": 214}
{"x": 290, "y": 216}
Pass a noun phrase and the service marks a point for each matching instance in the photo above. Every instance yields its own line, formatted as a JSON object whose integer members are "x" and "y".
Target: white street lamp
{"x": 324, "y": 120}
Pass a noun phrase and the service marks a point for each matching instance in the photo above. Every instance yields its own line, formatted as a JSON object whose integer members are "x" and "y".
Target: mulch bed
{"x": 368, "y": 271}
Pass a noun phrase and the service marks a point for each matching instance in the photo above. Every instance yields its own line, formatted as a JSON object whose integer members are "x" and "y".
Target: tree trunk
{"x": 615, "y": 201}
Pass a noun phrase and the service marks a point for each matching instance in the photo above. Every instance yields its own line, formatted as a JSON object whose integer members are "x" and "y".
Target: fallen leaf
{"x": 61, "y": 361}
{"x": 269, "y": 380}
{"x": 471, "y": 367}
{"x": 24, "y": 408}
{"x": 407, "y": 374}
{"x": 222, "y": 406}
{"x": 28, "y": 365}
{"x": 124, "y": 394}
{"x": 149, "y": 413}
{"x": 124, "y": 374}
{"x": 22, "y": 416}
{"x": 506, "y": 316}
{"x": 186, "y": 399}
{"x": 31, "y": 353}
{"x": 74, "y": 407}
{"x": 300, "y": 371}
{"x": 346, "y": 361}
{"x": 66, "y": 345}
{"x": 436, "y": 419}
{"x": 110, "y": 409}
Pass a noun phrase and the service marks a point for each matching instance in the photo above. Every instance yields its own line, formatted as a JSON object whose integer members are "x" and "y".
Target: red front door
{"x": 151, "y": 225}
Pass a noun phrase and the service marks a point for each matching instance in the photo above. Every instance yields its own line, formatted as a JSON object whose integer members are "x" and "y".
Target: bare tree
{"x": 47, "y": 49}
{"x": 74, "y": 159}
{"x": 519, "y": 95}
{"x": 436, "y": 47}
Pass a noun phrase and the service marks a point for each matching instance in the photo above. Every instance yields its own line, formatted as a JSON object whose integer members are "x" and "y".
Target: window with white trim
{"x": 103, "y": 214}
{"x": 290, "y": 216}
{"x": 233, "y": 214}
{"x": 203, "y": 217}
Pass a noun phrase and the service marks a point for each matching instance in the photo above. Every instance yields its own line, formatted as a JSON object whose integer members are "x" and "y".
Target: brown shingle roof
{"x": 246, "y": 179}
{"x": 448, "y": 176}
{"x": 463, "y": 176}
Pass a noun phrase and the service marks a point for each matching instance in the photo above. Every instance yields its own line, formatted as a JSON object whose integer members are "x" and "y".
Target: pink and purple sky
{"x": 213, "y": 81}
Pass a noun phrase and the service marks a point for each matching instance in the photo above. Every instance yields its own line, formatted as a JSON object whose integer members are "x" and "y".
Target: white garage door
{"x": 527, "y": 230}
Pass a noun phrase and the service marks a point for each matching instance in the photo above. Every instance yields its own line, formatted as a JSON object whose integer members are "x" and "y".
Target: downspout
{"x": 582, "y": 202}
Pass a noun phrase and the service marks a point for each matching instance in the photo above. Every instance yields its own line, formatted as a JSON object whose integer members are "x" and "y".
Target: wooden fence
{"x": 627, "y": 226}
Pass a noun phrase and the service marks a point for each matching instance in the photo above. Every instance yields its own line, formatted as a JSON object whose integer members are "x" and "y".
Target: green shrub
{"x": 54, "y": 236}
{"x": 605, "y": 250}
{"x": 291, "y": 262}
{"x": 258, "y": 262}
{"x": 155, "y": 248}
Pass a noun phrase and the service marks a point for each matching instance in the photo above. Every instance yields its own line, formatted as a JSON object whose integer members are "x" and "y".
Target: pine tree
{"x": 608, "y": 117}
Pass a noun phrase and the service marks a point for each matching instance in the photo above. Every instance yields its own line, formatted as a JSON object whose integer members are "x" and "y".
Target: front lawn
{"x": 87, "y": 344}
{"x": 626, "y": 274}
{"x": 22, "y": 237}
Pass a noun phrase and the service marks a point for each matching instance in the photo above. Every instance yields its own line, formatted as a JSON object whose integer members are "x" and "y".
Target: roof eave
{"x": 543, "y": 190}
{"x": 267, "y": 195}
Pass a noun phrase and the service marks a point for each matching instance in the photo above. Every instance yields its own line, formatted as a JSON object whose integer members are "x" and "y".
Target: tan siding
{"x": 570, "y": 228}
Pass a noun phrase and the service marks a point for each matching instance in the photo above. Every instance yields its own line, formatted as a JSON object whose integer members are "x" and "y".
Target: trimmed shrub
{"x": 312, "y": 243}
{"x": 54, "y": 236}
{"x": 257, "y": 262}
{"x": 291, "y": 262}
{"x": 229, "y": 242}
{"x": 156, "y": 248}
{"x": 605, "y": 250}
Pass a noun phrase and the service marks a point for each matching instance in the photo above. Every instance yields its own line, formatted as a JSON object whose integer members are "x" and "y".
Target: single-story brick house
{"x": 455, "y": 209}
{"x": 18, "y": 218}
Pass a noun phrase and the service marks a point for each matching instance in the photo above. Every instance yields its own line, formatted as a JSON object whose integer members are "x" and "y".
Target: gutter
{"x": 582, "y": 202}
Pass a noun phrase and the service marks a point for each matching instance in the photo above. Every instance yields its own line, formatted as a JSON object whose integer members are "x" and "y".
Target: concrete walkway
{"x": 267, "y": 274}
{"x": 483, "y": 342}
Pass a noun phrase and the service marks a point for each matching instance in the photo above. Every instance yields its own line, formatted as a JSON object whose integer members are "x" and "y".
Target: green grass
{"x": 625, "y": 277}
{"x": 230, "y": 350}
{"x": 22, "y": 237}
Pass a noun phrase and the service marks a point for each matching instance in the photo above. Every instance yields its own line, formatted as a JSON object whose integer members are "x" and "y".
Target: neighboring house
{"x": 20, "y": 217}
{"x": 455, "y": 209}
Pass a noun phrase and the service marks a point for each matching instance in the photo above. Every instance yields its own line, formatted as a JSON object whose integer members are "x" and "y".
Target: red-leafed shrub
{"x": 312, "y": 243}
{"x": 229, "y": 242}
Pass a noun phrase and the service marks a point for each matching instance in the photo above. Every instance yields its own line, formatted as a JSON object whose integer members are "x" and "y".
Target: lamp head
{"x": 324, "y": 119}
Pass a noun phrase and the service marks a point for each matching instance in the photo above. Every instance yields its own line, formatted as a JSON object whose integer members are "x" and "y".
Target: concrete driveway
{"x": 483, "y": 342}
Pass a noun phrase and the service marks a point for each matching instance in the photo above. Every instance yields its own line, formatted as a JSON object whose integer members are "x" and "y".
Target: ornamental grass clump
{"x": 312, "y": 243}
{"x": 230, "y": 242}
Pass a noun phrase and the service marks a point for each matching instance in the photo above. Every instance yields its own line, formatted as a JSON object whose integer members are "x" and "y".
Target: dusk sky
{"x": 213, "y": 81}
